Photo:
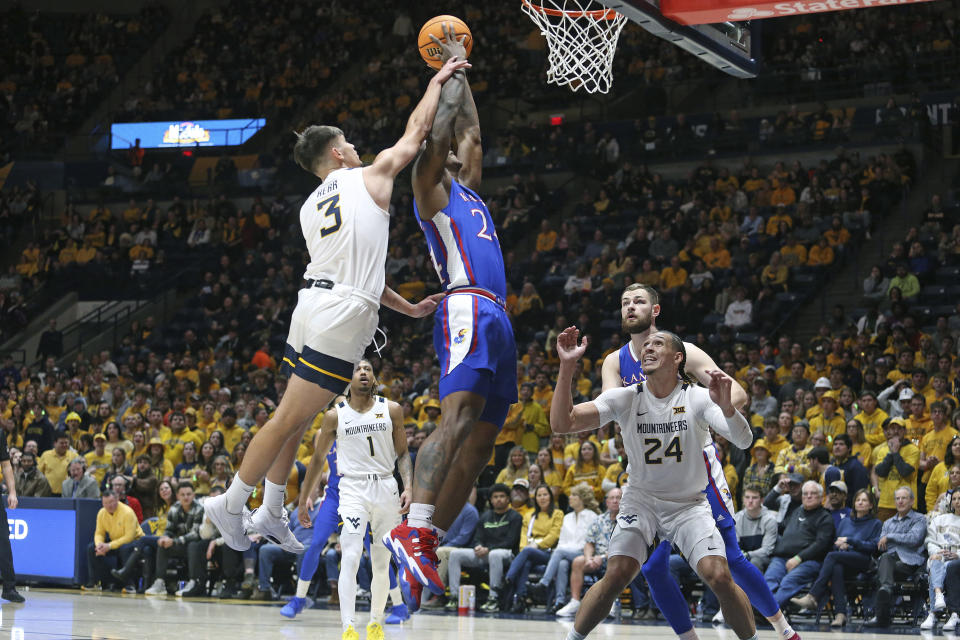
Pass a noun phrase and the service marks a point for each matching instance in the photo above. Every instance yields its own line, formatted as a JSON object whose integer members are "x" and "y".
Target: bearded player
{"x": 639, "y": 308}
{"x": 472, "y": 333}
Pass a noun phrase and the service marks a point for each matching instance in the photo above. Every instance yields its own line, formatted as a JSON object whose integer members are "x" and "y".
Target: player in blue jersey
{"x": 472, "y": 335}
{"x": 639, "y": 308}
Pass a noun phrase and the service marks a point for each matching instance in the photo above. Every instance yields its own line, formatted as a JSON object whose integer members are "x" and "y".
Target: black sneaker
{"x": 197, "y": 591}
{"x": 538, "y": 592}
{"x": 12, "y": 595}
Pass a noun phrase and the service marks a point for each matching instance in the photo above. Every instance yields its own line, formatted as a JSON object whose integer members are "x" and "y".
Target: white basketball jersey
{"x": 346, "y": 233}
{"x": 664, "y": 437}
{"x": 365, "y": 440}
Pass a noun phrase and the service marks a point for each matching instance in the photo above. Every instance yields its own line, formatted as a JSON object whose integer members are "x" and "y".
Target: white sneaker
{"x": 569, "y": 610}
{"x": 276, "y": 530}
{"x": 951, "y": 623}
{"x": 158, "y": 588}
{"x": 939, "y": 602}
{"x": 930, "y": 621}
{"x": 230, "y": 525}
{"x": 188, "y": 585}
{"x": 718, "y": 619}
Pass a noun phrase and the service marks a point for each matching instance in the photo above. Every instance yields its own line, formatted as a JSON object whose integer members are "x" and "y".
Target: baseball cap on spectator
{"x": 905, "y": 394}
{"x": 838, "y": 485}
{"x": 99, "y": 436}
{"x": 761, "y": 443}
{"x": 73, "y": 415}
{"x": 796, "y": 478}
{"x": 521, "y": 482}
{"x": 894, "y": 422}
{"x": 822, "y": 383}
{"x": 769, "y": 367}
{"x": 432, "y": 403}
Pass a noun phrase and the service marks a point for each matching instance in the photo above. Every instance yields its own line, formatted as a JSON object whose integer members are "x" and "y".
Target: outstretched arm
{"x": 393, "y": 300}
{"x": 428, "y": 171}
{"x": 564, "y": 416}
{"x": 469, "y": 147}
{"x": 378, "y": 177}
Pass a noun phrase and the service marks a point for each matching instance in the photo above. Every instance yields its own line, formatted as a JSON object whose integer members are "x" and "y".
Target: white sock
{"x": 782, "y": 625}
{"x": 421, "y": 515}
{"x": 396, "y": 597}
{"x": 303, "y": 586}
{"x": 273, "y": 497}
{"x": 237, "y": 494}
{"x": 379, "y": 581}
{"x": 573, "y": 635}
{"x": 689, "y": 635}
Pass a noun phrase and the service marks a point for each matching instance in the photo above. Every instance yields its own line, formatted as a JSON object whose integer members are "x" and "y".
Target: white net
{"x": 581, "y": 41}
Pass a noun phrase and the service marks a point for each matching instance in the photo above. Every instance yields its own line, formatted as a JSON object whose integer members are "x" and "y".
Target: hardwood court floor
{"x": 53, "y": 614}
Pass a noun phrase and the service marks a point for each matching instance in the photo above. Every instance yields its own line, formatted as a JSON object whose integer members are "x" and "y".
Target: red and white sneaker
{"x": 411, "y": 589}
{"x": 795, "y": 636}
{"x": 416, "y": 549}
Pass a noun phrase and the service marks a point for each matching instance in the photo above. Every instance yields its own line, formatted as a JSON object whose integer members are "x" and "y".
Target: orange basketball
{"x": 429, "y": 51}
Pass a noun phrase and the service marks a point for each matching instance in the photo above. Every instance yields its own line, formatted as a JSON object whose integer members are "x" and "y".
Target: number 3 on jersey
{"x": 672, "y": 450}
{"x": 330, "y": 207}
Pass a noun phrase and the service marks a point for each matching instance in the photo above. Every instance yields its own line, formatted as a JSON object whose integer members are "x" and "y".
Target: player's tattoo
{"x": 429, "y": 462}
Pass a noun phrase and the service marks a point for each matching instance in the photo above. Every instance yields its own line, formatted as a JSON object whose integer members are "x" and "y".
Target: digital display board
{"x": 43, "y": 541}
{"x": 176, "y": 134}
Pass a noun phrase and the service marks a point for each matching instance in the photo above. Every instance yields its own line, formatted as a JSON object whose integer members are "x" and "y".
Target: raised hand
{"x": 450, "y": 45}
{"x": 569, "y": 347}
{"x": 720, "y": 384}
{"x": 450, "y": 67}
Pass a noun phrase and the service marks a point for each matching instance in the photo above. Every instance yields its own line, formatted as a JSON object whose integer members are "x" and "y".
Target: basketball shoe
{"x": 293, "y": 607}
{"x": 374, "y": 631}
{"x": 276, "y": 530}
{"x": 230, "y": 525}
{"x": 398, "y": 613}
{"x": 350, "y": 634}
{"x": 416, "y": 549}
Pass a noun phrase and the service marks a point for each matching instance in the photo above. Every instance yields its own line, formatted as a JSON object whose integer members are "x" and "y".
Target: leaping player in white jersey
{"x": 639, "y": 308}
{"x": 370, "y": 438}
{"x": 346, "y": 226}
{"x": 665, "y": 424}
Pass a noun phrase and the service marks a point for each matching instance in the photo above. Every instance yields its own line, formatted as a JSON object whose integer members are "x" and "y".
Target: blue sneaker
{"x": 398, "y": 614}
{"x": 293, "y": 607}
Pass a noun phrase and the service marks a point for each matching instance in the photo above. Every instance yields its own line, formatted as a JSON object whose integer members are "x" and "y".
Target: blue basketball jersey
{"x": 463, "y": 243}
{"x": 333, "y": 480}
{"x": 631, "y": 371}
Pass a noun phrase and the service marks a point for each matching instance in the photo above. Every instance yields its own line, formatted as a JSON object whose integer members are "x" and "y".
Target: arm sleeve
{"x": 516, "y": 526}
{"x": 550, "y": 540}
{"x": 822, "y": 543}
{"x": 764, "y": 553}
{"x": 907, "y": 460}
{"x": 467, "y": 526}
{"x": 868, "y": 545}
{"x": 933, "y": 540}
{"x": 100, "y": 534}
{"x": 883, "y": 467}
{"x": 129, "y": 524}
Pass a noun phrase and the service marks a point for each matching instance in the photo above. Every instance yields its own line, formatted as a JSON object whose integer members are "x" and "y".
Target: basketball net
{"x": 581, "y": 41}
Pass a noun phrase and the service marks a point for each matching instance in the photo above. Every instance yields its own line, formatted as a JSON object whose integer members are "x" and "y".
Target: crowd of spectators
{"x": 57, "y": 67}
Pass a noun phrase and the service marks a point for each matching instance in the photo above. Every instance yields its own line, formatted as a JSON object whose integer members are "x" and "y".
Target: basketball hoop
{"x": 581, "y": 41}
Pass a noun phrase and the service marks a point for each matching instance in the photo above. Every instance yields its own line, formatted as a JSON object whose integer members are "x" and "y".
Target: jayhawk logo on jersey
{"x": 461, "y": 336}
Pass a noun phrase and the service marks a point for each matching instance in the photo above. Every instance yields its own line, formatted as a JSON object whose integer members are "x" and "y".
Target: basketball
{"x": 429, "y": 50}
